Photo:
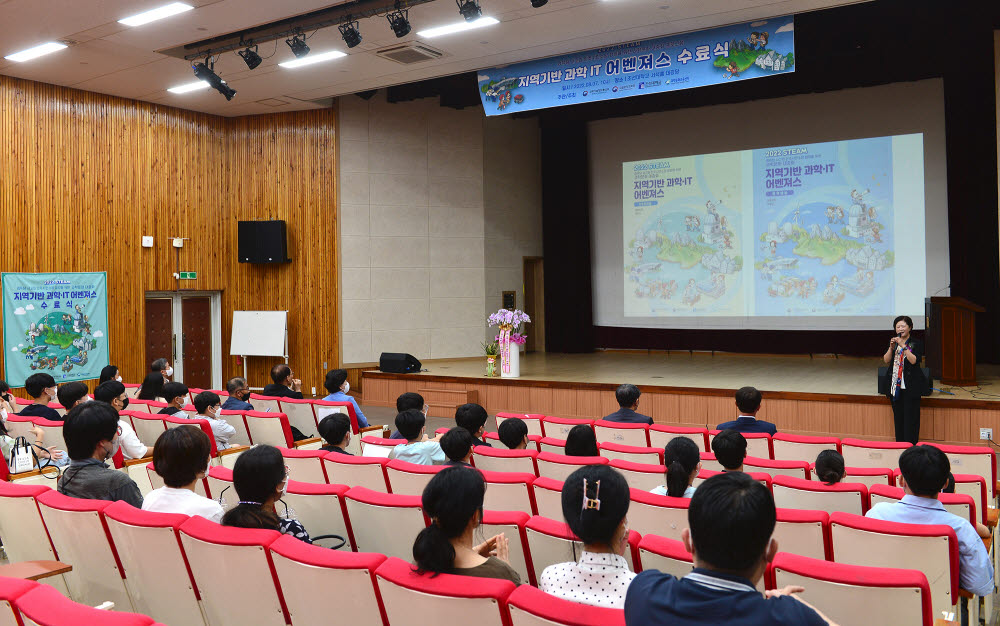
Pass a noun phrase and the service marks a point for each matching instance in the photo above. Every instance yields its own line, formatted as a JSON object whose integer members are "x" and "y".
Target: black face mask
{"x": 125, "y": 404}
{"x": 245, "y": 396}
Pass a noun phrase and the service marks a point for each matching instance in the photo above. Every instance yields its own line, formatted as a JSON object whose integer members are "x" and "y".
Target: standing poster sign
{"x": 55, "y": 323}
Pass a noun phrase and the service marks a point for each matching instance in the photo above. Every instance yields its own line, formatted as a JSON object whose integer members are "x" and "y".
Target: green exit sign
{"x": 189, "y": 275}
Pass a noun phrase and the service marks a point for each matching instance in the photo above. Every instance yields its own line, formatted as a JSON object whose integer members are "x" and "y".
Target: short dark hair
{"x": 69, "y": 393}
{"x": 334, "y": 379}
{"x": 902, "y": 318}
{"x": 830, "y": 467}
{"x": 627, "y": 395}
{"x": 925, "y": 469}
{"x": 949, "y": 486}
{"x": 37, "y": 383}
{"x": 471, "y": 417}
{"x": 106, "y": 392}
{"x": 180, "y": 454}
{"x": 152, "y": 386}
{"x": 409, "y": 400}
{"x": 581, "y": 441}
{"x": 108, "y": 372}
{"x": 730, "y": 448}
{"x": 334, "y": 427}
{"x": 512, "y": 431}
{"x": 409, "y": 423}
{"x": 233, "y": 385}
{"x": 748, "y": 399}
{"x": 280, "y": 372}
{"x": 595, "y": 525}
{"x": 87, "y": 425}
{"x": 159, "y": 365}
{"x": 457, "y": 443}
{"x": 173, "y": 390}
{"x": 732, "y": 518}
{"x": 204, "y": 400}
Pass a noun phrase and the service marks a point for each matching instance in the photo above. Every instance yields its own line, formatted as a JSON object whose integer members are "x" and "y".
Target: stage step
{"x": 443, "y": 402}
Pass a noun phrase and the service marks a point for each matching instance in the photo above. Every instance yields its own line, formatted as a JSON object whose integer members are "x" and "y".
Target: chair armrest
{"x": 309, "y": 441}
{"x": 34, "y": 570}
{"x": 385, "y": 430}
{"x": 146, "y": 459}
{"x": 944, "y": 622}
{"x": 233, "y": 450}
{"x": 992, "y": 515}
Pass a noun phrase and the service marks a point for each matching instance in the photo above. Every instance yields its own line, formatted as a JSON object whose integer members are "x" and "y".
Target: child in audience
{"x": 453, "y": 500}
{"x": 830, "y": 467}
{"x": 417, "y": 449}
{"x": 409, "y": 400}
{"x": 335, "y": 430}
{"x": 260, "y": 478}
{"x": 209, "y": 407}
{"x": 949, "y": 487}
{"x": 69, "y": 394}
{"x": 54, "y": 456}
{"x": 513, "y": 433}
{"x": 472, "y": 417}
{"x": 181, "y": 457}
{"x": 595, "y": 500}
{"x": 581, "y": 441}
{"x": 683, "y": 460}
{"x": 175, "y": 395}
{"x": 43, "y": 389}
{"x": 730, "y": 448}
{"x": 457, "y": 446}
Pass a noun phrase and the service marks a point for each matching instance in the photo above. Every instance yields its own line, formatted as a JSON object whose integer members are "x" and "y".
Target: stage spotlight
{"x": 538, "y": 3}
{"x": 350, "y": 33}
{"x": 469, "y": 9}
{"x": 203, "y": 72}
{"x": 399, "y": 22}
{"x": 251, "y": 57}
{"x": 298, "y": 46}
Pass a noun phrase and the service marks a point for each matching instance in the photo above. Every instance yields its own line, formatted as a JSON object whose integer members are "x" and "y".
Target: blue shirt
{"x": 233, "y": 403}
{"x": 419, "y": 452}
{"x": 975, "y": 571}
{"x": 707, "y": 597}
{"x": 749, "y": 424}
{"x": 340, "y": 396}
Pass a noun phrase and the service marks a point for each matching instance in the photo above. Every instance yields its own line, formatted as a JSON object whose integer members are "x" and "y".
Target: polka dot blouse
{"x": 597, "y": 579}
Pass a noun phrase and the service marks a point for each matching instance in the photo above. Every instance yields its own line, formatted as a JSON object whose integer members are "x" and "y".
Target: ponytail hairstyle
{"x": 451, "y": 499}
{"x": 256, "y": 476}
{"x": 681, "y": 456}
{"x": 594, "y": 515}
{"x": 830, "y": 467}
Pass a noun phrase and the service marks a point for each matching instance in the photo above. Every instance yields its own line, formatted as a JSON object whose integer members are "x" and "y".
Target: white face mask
{"x": 115, "y": 444}
{"x": 118, "y": 378}
{"x": 347, "y": 386}
{"x": 169, "y": 371}
{"x": 52, "y": 391}
{"x": 284, "y": 488}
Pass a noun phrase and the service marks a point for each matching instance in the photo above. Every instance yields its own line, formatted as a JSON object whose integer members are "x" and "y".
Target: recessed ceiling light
{"x": 158, "y": 13}
{"x": 37, "y": 51}
{"x": 313, "y": 58}
{"x": 186, "y": 87}
{"x": 458, "y": 27}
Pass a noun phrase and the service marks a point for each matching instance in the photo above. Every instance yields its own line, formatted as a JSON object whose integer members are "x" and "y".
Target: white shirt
{"x": 662, "y": 491}
{"x": 599, "y": 579}
{"x": 222, "y": 430}
{"x": 132, "y": 448}
{"x": 183, "y": 501}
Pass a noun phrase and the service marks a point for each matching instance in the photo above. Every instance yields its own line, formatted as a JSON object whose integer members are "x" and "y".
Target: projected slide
{"x": 809, "y": 229}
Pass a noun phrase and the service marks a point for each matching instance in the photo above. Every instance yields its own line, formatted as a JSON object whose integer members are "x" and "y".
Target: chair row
{"x": 29, "y": 602}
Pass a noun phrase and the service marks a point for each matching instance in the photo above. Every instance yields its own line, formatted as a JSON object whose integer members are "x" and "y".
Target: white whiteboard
{"x": 259, "y": 333}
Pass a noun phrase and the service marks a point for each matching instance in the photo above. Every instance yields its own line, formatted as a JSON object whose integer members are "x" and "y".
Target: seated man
{"x": 91, "y": 434}
{"x": 457, "y": 446}
{"x": 336, "y": 432}
{"x": 731, "y": 520}
{"x": 239, "y": 395}
{"x": 748, "y": 401}
{"x": 113, "y": 393}
{"x": 285, "y": 384}
{"x": 209, "y": 407}
{"x": 175, "y": 395}
{"x": 336, "y": 383}
{"x": 409, "y": 400}
{"x": 43, "y": 390}
{"x": 472, "y": 417}
{"x": 513, "y": 433}
{"x": 730, "y": 448}
{"x": 163, "y": 367}
{"x": 925, "y": 471}
{"x": 417, "y": 449}
{"x": 71, "y": 394}
{"x": 628, "y": 399}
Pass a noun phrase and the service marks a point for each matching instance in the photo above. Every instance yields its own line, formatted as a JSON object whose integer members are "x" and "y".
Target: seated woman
{"x": 47, "y": 456}
{"x": 595, "y": 500}
{"x": 181, "y": 457}
{"x": 109, "y": 372}
{"x": 152, "y": 387}
{"x": 683, "y": 460}
{"x": 581, "y": 441}
{"x": 260, "y": 478}
{"x": 453, "y": 500}
{"x": 830, "y": 467}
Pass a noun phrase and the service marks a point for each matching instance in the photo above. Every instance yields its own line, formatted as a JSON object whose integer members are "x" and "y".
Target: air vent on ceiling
{"x": 408, "y": 53}
{"x": 272, "y": 102}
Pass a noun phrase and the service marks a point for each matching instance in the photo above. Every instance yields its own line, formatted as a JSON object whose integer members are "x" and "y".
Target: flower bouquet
{"x": 492, "y": 349}
{"x": 508, "y": 321}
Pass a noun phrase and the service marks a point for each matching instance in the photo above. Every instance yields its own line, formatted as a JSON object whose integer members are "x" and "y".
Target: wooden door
{"x": 534, "y": 304}
{"x": 159, "y": 332}
{"x": 196, "y": 341}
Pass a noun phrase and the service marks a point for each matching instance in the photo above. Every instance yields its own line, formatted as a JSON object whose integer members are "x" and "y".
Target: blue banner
{"x": 696, "y": 59}
{"x": 55, "y": 323}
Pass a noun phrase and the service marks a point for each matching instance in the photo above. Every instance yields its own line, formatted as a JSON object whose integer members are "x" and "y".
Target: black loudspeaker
{"x": 263, "y": 242}
{"x": 398, "y": 363}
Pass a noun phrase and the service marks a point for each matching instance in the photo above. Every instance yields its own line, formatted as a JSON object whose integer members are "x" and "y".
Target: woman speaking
{"x": 906, "y": 379}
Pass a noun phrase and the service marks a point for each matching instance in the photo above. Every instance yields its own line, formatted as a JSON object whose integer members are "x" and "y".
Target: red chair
{"x": 635, "y": 454}
{"x": 797, "y": 469}
{"x": 667, "y": 555}
{"x": 973, "y": 485}
{"x": 552, "y": 445}
{"x": 322, "y": 408}
{"x": 270, "y": 404}
{"x": 560, "y": 466}
{"x": 384, "y": 522}
{"x": 803, "y": 532}
{"x": 642, "y": 476}
{"x": 378, "y": 447}
{"x": 978, "y": 460}
{"x": 238, "y": 421}
{"x": 559, "y": 427}
{"x": 356, "y": 471}
{"x": 409, "y": 479}
{"x": 801, "y": 447}
{"x": 867, "y": 476}
{"x": 45, "y": 606}
{"x": 172, "y": 421}
{"x": 622, "y": 434}
{"x": 960, "y": 504}
{"x": 798, "y": 493}
{"x": 758, "y": 444}
{"x": 306, "y": 466}
{"x": 761, "y": 477}
{"x": 709, "y": 462}
{"x": 661, "y": 434}
{"x": 511, "y": 525}
{"x": 269, "y": 428}
{"x": 530, "y": 606}
{"x": 651, "y": 514}
{"x": 509, "y": 491}
{"x": 494, "y": 439}
{"x": 548, "y": 497}
{"x": 322, "y": 511}
{"x": 502, "y": 460}
{"x": 864, "y": 453}
{"x": 11, "y": 589}
{"x": 300, "y": 414}
{"x": 532, "y": 420}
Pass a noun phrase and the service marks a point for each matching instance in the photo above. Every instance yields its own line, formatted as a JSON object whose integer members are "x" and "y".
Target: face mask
{"x": 284, "y": 488}
{"x": 217, "y": 412}
{"x": 246, "y": 396}
{"x": 118, "y": 378}
{"x": 52, "y": 392}
{"x": 125, "y": 404}
{"x": 347, "y": 386}
{"x": 115, "y": 444}
{"x": 169, "y": 372}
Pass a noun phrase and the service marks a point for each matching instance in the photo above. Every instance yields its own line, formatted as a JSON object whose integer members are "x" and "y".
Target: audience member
{"x": 209, "y": 407}
{"x": 472, "y": 417}
{"x": 409, "y": 400}
{"x": 163, "y": 367}
{"x": 109, "y": 372}
{"x": 335, "y": 430}
{"x": 239, "y": 395}
{"x": 453, "y": 500}
{"x": 176, "y": 396}
{"x": 628, "y": 399}
{"x": 69, "y": 394}
{"x": 113, "y": 393}
{"x": 513, "y": 433}
{"x": 91, "y": 434}
{"x": 949, "y": 487}
{"x": 457, "y": 446}
{"x": 748, "y": 402}
{"x": 924, "y": 473}
{"x": 731, "y": 519}
{"x": 43, "y": 390}
{"x": 417, "y": 448}
{"x": 336, "y": 383}
{"x": 7, "y": 405}
{"x": 730, "y": 448}
{"x": 581, "y": 441}
{"x": 53, "y": 455}
{"x": 152, "y": 387}
{"x": 181, "y": 456}
{"x": 682, "y": 459}
{"x": 595, "y": 500}
{"x": 260, "y": 479}
{"x": 285, "y": 384}
{"x": 830, "y": 467}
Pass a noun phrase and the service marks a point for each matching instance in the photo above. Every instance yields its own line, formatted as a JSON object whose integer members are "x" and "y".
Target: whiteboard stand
{"x": 259, "y": 333}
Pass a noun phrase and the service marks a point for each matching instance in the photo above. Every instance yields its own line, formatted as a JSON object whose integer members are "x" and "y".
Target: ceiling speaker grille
{"x": 410, "y": 53}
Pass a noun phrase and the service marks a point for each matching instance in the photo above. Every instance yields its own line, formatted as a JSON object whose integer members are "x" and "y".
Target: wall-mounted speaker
{"x": 263, "y": 241}
{"x": 398, "y": 363}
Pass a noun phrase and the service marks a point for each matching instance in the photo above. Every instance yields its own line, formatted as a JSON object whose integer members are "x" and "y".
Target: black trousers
{"x": 906, "y": 415}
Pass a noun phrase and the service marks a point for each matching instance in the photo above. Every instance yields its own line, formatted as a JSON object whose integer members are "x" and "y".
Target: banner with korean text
{"x": 696, "y": 59}
{"x": 54, "y": 323}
